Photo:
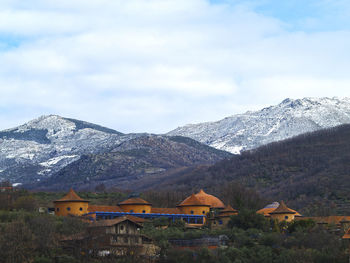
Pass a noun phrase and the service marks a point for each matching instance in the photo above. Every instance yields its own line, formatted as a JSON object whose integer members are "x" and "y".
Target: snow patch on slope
{"x": 255, "y": 128}
{"x": 45, "y": 145}
{"x": 57, "y": 159}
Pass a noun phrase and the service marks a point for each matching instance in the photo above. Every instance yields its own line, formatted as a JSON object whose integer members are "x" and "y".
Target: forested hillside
{"x": 311, "y": 172}
{"x": 136, "y": 164}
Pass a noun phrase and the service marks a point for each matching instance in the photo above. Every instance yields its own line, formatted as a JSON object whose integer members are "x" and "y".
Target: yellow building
{"x": 135, "y": 205}
{"x": 228, "y": 211}
{"x": 193, "y": 206}
{"x": 267, "y": 210}
{"x": 197, "y": 206}
{"x": 212, "y": 201}
{"x": 221, "y": 220}
{"x": 71, "y": 204}
{"x": 283, "y": 213}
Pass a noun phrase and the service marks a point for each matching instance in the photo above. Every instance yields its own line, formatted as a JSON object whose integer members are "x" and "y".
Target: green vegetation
{"x": 28, "y": 236}
{"x": 310, "y": 172}
{"x": 258, "y": 241}
{"x": 33, "y": 237}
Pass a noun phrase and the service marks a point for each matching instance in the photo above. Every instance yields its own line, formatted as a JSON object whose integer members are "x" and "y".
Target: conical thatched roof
{"x": 208, "y": 199}
{"x": 192, "y": 201}
{"x": 134, "y": 201}
{"x": 283, "y": 209}
{"x": 71, "y": 197}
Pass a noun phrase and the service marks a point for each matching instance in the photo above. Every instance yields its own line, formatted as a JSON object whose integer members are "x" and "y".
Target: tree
{"x": 16, "y": 243}
{"x": 249, "y": 219}
{"x": 28, "y": 203}
{"x": 44, "y": 229}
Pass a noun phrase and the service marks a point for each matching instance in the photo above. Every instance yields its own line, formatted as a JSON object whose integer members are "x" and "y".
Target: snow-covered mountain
{"x": 43, "y": 146}
{"x": 62, "y": 151}
{"x": 253, "y": 129}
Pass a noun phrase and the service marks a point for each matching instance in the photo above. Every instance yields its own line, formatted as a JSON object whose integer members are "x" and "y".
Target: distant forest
{"x": 311, "y": 172}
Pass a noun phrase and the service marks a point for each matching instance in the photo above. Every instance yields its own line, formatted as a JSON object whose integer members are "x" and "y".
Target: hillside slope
{"x": 136, "y": 164}
{"x": 311, "y": 172}
{"x": 43, "y": 146}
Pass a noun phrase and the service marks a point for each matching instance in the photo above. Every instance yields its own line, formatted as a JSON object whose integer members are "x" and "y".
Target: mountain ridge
{"x": 134, "y": 164}
{"x": 44, "y": 145}
{"x": 252, "y": 129}
{"x": 33, "y": 152}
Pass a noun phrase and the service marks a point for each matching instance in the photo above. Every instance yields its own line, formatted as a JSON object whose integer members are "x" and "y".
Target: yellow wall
{"x": 136, "y": 208}
{"x": 197, "y": 210}
{"x": 282, "y": 217}
{"x": 73, "y": 208}
{"x": 215, "y": 224}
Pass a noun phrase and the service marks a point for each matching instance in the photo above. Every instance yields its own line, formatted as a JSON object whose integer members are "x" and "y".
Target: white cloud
{"x": 152, "y": 65}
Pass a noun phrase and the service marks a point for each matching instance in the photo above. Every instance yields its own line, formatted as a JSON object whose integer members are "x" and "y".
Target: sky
{"x": 154, "y": 65}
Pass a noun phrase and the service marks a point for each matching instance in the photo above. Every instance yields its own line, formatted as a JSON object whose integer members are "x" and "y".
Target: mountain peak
{"x": 55, "y": 123}
{"x": 289, "y": 118}
{"x": 44, "y": 145}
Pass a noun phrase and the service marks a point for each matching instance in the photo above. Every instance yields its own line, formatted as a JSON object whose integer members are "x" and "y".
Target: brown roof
{"x": 136, "y": 219}
{"x": 71, "y": 197}
{"x": 104, "y": 208}
{"x": 228, "y": 211}
{"x": 282, "y": 209}
{"x": 192, "y": 201}
{"x": 345, "y": 220}
{"x": 208, "y": 199}
{"x": 134, "y": 201}
{"x": 228, "y": 208}
{"x": 112, "y": 222}
{"x": 328, "y": 219}
{"x": 266, "y": 211}
{"x": 172, "y": 211}
{"x": 347, "y": 234}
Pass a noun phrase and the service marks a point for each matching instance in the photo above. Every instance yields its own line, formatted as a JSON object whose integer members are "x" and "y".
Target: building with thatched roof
{"x": 71, "y": 204}
{"x": 279, "y": 211}
{"x": 194, "y": 210}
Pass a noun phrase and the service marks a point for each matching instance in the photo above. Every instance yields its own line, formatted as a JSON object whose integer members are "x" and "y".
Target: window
{"x": 143, "y": 211}
{"x": 125, "y": 240}
{"x": 57, "y": 209}
{"x": 121, "y": 227}
{"x": 191, "y": 211}
{"x": 220, "y": 222}
{"x": 286, "y": 217}
{"x": 203, "y": 212}
{"x": 81, "y": 209}
{"x": 68, "y": 208}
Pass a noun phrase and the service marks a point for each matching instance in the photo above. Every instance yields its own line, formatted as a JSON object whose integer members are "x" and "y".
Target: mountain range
{"x": 255, "y": 128}
{"x": 136, "y": 164}
{"x": 33, "y": 153}
{"x": 53, "y": 152}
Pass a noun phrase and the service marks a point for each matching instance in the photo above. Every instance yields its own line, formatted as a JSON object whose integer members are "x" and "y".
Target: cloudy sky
{"x": 154, "y": 65}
